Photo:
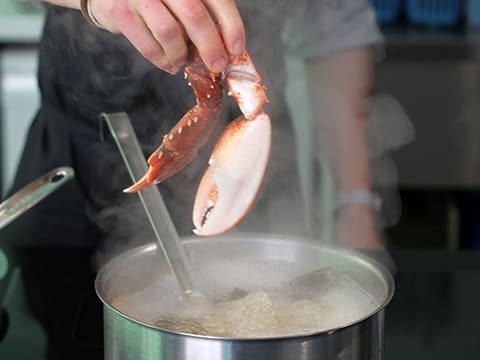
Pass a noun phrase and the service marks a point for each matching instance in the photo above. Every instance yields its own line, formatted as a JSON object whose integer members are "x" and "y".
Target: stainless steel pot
{"x": 129, "y": 338}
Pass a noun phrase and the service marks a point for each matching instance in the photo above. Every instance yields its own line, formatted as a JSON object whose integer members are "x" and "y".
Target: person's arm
{"x": 339, "y": 87}
{"x": 162, "y": 29}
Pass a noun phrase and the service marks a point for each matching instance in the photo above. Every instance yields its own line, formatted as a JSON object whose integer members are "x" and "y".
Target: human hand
{"x": 162, "y": 29}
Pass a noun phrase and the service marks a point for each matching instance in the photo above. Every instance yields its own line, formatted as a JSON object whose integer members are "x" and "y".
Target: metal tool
{"x": 122, "y": 132}
{"x": 13, "y": 299}
{"x": 33, "y": 193}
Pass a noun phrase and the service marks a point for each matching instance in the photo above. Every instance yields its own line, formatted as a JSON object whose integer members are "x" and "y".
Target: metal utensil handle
{"x": 122, "y": 132}
{"x": 32, "y": 194}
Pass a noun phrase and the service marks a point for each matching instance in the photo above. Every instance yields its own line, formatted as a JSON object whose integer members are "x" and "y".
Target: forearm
{"x": 74, "y": 4}
{"x": 340, "y": 88}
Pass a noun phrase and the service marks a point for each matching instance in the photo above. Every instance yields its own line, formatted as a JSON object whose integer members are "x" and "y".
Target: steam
{"x": 287, "y": 299}
{"x": 389, "y": 129}
{"x": 155, "y": 100}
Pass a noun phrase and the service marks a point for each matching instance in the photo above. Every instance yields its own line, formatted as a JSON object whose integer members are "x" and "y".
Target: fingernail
{"x": 238, "y": 46}
{"x": 219, "y": 64}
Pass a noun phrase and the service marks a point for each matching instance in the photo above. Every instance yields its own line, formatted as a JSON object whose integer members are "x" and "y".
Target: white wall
{"x": 19, "y": 101}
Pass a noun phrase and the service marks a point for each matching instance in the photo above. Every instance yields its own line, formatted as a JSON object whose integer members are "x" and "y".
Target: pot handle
{"x": 33, "y": 193}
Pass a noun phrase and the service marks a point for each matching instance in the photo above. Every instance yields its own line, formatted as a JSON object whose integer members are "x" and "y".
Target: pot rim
{"x": 379, "y": 268}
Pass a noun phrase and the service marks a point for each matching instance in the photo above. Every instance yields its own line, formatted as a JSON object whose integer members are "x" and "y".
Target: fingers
{"x": 137, "y": 32}
{"x": 167, "y": 32}
{"x": 231, "y": 24}
{"x": 202, "y": 31}
{"x": 162, "y": 29}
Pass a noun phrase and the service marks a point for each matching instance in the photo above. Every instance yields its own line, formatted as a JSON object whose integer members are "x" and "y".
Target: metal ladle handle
{"x": 33, "y": 193}
{"x": 120, "y": 127}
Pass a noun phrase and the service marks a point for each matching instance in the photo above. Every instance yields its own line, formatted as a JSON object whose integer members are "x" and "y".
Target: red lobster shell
{"x": 239, "y": 159}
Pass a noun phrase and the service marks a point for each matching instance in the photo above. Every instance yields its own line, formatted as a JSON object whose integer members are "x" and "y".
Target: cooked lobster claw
{"x": 182, "y": 143}
{"x": 236, "y": 169}
{"x": 239, "y": 159}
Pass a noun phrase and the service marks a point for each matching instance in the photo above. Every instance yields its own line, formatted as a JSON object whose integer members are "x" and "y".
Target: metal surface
{"x": 127, "y": 338}
{"x": 33, "y": 193}
{"x": 122, "y": 132}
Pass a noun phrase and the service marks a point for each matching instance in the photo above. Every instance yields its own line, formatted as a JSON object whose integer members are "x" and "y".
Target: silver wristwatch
{"x": 358, "y": 197}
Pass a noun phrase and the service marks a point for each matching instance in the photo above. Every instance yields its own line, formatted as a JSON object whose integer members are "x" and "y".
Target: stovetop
{"x": 435, "y": 313}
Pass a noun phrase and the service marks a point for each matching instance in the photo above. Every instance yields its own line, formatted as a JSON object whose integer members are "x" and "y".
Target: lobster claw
{"x": 238, "y": 163}
{"x": 236, "y": 170}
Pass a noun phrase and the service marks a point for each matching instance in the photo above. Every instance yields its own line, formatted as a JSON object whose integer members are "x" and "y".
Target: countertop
{"x": 435, "y": 312}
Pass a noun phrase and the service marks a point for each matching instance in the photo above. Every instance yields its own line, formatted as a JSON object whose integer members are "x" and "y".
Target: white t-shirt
{"x": 320, "y": 27}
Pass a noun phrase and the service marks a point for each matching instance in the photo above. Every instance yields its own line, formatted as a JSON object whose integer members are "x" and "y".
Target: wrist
{"x": 358, "y": 199}
{"x": 357, "y": 227}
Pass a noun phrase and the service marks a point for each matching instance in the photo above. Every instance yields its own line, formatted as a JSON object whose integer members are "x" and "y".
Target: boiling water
{"x": 253, "y": 299}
